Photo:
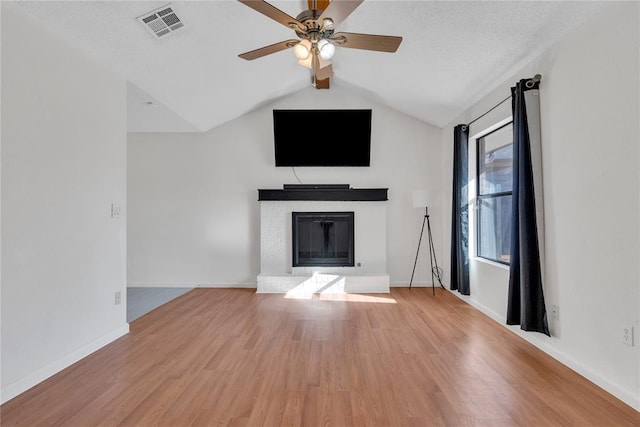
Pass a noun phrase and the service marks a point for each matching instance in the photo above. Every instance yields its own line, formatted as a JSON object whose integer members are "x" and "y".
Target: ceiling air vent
{"x": 161, "y": 22}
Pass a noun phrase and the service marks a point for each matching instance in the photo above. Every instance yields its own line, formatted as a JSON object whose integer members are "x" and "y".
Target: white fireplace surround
{"x": 369, "y": 275}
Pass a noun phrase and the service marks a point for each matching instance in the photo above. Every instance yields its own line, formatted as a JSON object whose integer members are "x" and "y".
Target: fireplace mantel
{"x": 324, "y": 192}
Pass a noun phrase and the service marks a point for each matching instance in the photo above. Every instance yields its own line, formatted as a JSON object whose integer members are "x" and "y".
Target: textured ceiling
{"x": 452, "y": 54}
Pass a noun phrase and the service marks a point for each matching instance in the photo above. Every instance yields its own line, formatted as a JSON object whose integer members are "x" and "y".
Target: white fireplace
{"x": 369, "y": 271}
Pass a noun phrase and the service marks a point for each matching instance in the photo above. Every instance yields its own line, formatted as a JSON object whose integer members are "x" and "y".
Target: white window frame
{"x": 473, "y": 196}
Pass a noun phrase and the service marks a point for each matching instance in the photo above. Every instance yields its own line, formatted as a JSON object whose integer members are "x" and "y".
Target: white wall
{"x": 591, "y": 157}
{"x": 193, "y": 210}
{"x": 63, "y": 164}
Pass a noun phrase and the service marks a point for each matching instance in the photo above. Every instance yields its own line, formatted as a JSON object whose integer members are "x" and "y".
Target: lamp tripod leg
{"x": 431, "y": 257}
{"x": 417, "y": 251}
{"x": 435, "y": 270}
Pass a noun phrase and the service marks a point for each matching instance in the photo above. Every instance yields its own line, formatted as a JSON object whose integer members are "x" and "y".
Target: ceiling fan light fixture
{"x": 302, "y": 50}
{"x": 307, "y": 62}
{"x": 326, "y": 49}
{"x": 327, "y": 24}
{"x": 322, "y": 62}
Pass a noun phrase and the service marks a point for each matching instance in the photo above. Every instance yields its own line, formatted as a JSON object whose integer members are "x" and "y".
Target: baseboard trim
{"x": 618, "y": 392}
{"x": 31, "y": 380}
{"x": 190, "y": 285}
{"x": 413, "y": 285}
{"x": 247, "y": 285}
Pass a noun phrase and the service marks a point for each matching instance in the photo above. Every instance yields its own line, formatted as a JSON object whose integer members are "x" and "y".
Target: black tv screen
{"x": 322, "y": 137}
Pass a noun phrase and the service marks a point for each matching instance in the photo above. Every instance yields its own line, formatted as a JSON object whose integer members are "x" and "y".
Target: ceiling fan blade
{"x": 273, "y": 12}
{"x": 324, "y": 73}
{"x": 367, "y": 41}
{"x": 338, "y": 10}
{"x": 267, "y": 50}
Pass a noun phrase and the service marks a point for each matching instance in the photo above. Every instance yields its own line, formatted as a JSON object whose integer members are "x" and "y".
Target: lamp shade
{"x": 423, "y": 198}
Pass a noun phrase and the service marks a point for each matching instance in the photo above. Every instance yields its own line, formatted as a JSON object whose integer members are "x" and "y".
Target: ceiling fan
{"x": 316, "y": 29}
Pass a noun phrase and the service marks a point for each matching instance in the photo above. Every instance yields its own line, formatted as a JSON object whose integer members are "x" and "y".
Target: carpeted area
{"x": 140, "y": 301}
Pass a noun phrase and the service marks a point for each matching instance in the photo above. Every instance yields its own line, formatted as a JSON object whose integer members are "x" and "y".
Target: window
{"x": 495, "y": 169}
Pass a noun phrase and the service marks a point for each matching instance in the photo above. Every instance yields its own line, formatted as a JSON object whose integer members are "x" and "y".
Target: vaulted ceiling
{"x": 452, "y": 54}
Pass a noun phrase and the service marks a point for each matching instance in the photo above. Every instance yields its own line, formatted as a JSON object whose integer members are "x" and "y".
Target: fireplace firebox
{"x": 322, "y": 239}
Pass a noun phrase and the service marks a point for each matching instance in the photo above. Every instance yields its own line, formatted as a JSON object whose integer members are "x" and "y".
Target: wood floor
{"x": 231, "y": 357}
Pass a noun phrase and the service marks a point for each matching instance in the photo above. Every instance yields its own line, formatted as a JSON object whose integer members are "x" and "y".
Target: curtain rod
{"x": 530, "y": 83}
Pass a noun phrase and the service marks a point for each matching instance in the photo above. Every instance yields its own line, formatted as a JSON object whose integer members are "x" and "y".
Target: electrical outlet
{"x": 115, "y": 210}
{"x": 555, "y": 312}
{"x": 118, "y": 299}
{"x": 627, "y": 335}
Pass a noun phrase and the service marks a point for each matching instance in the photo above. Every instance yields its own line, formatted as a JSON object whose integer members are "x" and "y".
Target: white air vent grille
{"x": 161, "y": 22}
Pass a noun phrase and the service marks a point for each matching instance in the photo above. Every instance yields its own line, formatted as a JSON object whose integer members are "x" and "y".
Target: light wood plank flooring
{"x": 231, "y": 357}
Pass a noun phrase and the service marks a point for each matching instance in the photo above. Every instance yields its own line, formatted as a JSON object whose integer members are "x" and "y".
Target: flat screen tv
{"x": 322, "y": 137}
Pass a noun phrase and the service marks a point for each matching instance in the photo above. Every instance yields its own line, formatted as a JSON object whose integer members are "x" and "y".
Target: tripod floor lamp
{"x": 424, "y": 199}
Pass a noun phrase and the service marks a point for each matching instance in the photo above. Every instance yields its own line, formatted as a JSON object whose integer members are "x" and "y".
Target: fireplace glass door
{"x": 322, "y": 239}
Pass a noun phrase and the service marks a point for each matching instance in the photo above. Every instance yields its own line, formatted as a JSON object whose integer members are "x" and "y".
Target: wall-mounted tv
{"x": 322, "y": 137}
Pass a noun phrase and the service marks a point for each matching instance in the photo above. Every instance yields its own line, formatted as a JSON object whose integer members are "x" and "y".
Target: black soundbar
{"x": 316, "y": 186}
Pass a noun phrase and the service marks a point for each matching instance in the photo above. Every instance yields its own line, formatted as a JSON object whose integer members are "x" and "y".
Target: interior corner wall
{"x": 590, "y": 119}
{"x": 194, "y": 218}
{"x": 63, "y": 164}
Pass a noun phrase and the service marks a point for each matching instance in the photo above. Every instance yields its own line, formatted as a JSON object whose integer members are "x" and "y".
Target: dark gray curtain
{"x": 460, "y": 211}
{"x": 526, "y": 300}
